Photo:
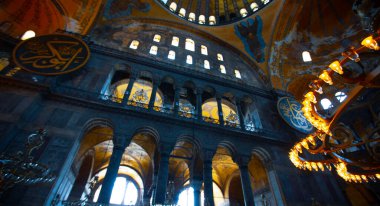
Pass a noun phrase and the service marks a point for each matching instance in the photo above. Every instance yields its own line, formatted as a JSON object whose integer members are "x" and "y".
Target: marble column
{"x": 162, "y": 178}
{"x": 156, "y": 83}
{"x": 128, "y": 91}
{"x": 246, "y": 181}
{"x": 240, "y": 113}
{"x": 207, "y": 179}
{"x": 111, "y": 174}
{"x": 199, "y": 103}
{"x": 197, "y": 186}
{"x": 220, "y": 111}
{"x": 176, "y": 100}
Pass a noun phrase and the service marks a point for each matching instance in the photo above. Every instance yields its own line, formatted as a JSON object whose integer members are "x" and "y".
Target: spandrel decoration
{"x": 53, "y": 54}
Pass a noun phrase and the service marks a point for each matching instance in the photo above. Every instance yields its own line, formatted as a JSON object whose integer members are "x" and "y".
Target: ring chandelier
{"x": 322, "y": 142}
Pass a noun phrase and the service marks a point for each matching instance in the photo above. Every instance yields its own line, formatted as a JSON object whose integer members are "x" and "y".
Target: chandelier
{"x": 325, "y": 149}
{"x": 20, "y": 169}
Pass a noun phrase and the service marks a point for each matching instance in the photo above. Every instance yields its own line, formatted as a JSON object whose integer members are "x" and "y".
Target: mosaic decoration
{"x": 119, "y": 8}
{"x": 250, "y": 33}
{"x": 51, "y": 54}
{"x": 290, "y": 111}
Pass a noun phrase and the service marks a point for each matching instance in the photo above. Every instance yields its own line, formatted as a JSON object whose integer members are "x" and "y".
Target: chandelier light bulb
{"x": 336, "y": 67}
{"x": 370, "y": 43}
{"x": 351, "y": 54}
{"x": 326, "y": 77}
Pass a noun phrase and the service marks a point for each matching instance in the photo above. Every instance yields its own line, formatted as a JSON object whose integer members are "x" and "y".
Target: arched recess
{"x": 187, "y": 100}
{"x": 181, "y": 163}
{"x": 224, "y": 168}
{"x": 265, "y": 184}
{"x": 166, "y": 90}
{"x": 250, "y": 114}
{"x": 76, "y": 180}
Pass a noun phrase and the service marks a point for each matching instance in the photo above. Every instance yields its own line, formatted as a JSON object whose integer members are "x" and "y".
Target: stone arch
{"x": 262, "y": 153}
{"x": 230, "y": 147}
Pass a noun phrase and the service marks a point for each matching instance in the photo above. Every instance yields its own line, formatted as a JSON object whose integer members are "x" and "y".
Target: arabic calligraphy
{"x": 290, "y": 111}
{"x": 51, "y": 54}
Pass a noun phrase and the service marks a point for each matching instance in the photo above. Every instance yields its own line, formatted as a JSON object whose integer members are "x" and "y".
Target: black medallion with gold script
{"x": 52, "y": 54}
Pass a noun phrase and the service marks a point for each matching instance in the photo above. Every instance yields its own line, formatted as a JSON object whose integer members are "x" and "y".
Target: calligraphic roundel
{"x": 52, "y": 54}
{"x": 291, "y": 111}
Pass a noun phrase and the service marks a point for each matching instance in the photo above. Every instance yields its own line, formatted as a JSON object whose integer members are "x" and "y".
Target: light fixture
{"x": 370, "y": 43}
{"x": 325, "y": 76}
{"x": 336, "y": 67}
{"x": 28, "y": 34}
{"x": 325, "y": 148}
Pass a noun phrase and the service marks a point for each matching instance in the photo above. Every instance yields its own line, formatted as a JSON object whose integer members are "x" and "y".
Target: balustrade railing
{"x": 101, "y": 98}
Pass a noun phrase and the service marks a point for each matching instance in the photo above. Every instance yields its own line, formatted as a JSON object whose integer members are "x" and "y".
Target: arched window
{"x": 164, "y": 1}
{"x": 254, "y": 6}
{"x": 189, "y": 59}
{"x": 204, "y": 50}
{"x": 153, "y": 50}
{"x": 175, "y": 41}
{"x": 182, "y": 12}
{"x": 237, "y": 74}
{"x": 202, "y": 19}
{"x": 340, "y": 96}
{"x": 243, "y": 12}
{"x": 124, "y": 192}
{"x": 173, "y": 6}
{"x": 134, "y": 44}
{"x": 190, "y": 45}
{"x": 222, "y": 69}
{"x": 186, "y": 197}
{"x": 28, "y": 34}
{"x": 212, "y": 20}
{"x": 265, "y": 1}
{"x": 157, "y": 38}
{"x": 206, "y": 64}
{"x": 220, "y": 57}
{"x": 191, "y": 16}
{"x": 306, "y": 56}
{"x": 326, "y": 103}
{"x": 171, "y": 55}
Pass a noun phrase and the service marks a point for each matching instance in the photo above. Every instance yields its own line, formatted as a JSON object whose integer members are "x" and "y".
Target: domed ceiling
{"x": 273, "y": 36}
{"x": 213, "y": 12}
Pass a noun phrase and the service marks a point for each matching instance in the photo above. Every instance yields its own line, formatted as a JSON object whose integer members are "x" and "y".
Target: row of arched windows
{"x": 189, "y": 45}
{"x": 211, "y": 19}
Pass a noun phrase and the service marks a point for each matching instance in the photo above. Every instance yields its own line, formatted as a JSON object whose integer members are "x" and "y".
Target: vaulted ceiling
{"x": 273, "y": 37}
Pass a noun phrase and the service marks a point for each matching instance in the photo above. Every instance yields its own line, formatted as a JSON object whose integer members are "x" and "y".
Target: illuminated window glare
{"x": 254, "y": 6}
{"x": 28, "y": 34}
{"x": 190, "y": 45}
{"x": 206, "y": 64}
{"x": 124, "y": 192}
{"x": 173, "y": 6}
{"x": 182, "y": 12}
{"x": 175, "y": 41}
{"x": 222, "y": 69}
{"x": 134, "y": 44}
{"x": 153, "y": 50}
{"x": 191, "y": 16}
{"x": 204, "y": 50}
{"x": 326, "y": 103}
{"x": 157, "y": 38}
{"x": 265, "y": 1}
{"x": 202, "y": 19}
{"x": 340, "y": 96}
{"x": 220, "y": 57}
{"x": 212, "y": 20}
{"x": 243, "y": 12}
{"x": 189, "y": 59}
{"x": 171, "y": 55}
{"x": 237, "y": 74}
{"x": 164, "y": 1}
{"x": 306, "y": 56}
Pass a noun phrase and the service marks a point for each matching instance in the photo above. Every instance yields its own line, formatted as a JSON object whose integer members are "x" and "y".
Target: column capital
{"x": 156, "y": 80}
{"x": 165, "y": 148}
{"x": 208, "y": 155}
{"x": 133, "y": 75}
{"x": 121, "y": 141}
{"x": 242, "y": 160}
{"x": 196, "y": 184}
{"x": 218, "y": 96}
{"x": 199, "y": 90}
